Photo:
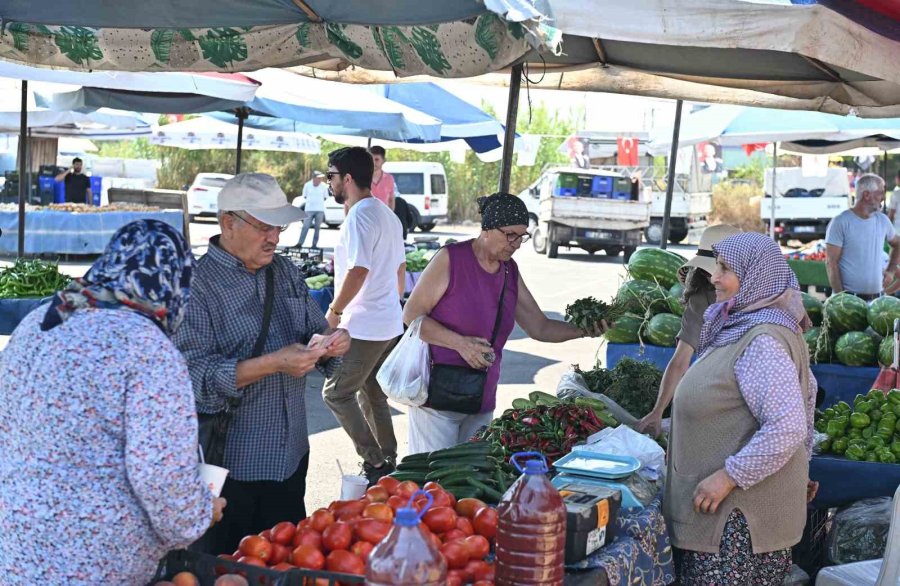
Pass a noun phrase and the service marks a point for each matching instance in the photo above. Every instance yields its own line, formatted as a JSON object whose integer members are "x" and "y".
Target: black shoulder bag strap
{"x": 500, "y": 306}
{"x": 260, "y": 344}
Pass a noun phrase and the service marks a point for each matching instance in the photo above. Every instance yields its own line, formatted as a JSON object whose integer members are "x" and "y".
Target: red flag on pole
{"x": 627, "y": 151}
{"x": 752, "y": 148}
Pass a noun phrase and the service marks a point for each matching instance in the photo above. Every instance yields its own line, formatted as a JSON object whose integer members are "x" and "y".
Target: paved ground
{"x": 527, "y": 365}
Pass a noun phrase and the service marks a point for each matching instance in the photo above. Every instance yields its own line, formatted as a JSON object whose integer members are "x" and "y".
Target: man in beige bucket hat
{"x": 698, "y": 295}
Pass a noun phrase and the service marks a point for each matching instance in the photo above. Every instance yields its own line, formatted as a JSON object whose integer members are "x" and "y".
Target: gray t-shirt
{"x": 692, "y": 320}
{"x": 862, "y": 241}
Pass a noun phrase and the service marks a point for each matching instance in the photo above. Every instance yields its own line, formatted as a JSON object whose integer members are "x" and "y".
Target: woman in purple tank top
{"x": 459, "y": 293}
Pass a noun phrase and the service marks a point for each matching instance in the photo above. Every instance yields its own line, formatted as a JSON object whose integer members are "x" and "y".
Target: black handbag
{"x": 461, "y": 388}
{"x": 213, "y": 427}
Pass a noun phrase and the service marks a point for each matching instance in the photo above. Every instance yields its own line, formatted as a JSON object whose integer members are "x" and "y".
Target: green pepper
{"x": 897, "y": 427}
{"x": 834, "y": 429}
{"x": 875, "y": 414}
{"x": 859, "y": 420}
{"x": 871, "y": 457}
{"x": 853, "y": 433}
{"x": 888, "y": 419}
{"x": 895, "y": 447}
{"x": 875, "y": 442}
{"x": 858, "y": 399}
{"x": 868, "y": 432}
{"x": 829, "y": 413}
{"x": 876, "y": 394}
{"x": 855, "y": 452}
{"x": 887, "y": 457}
{"x": 895, "y": 409}
{"x": 843, "y": 421}
{"x": 825, "y": 445}
{"x": 863, "y": 407}
{"x": 819, "y": 425}
{"x": 894, "y": 397}
{"x": 839, "y": 445}
{"x": 884, "y": 434}
{"x": 842, "y": 407}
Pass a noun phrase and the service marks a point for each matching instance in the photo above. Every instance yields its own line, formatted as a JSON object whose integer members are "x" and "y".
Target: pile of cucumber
{"x": 469, "y": 470}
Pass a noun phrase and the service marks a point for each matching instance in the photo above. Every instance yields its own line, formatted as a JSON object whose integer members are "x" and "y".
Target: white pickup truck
{"x": 804, "y": 204}
{"x": 568, "y": 216}
{"x": 689, "y": 215}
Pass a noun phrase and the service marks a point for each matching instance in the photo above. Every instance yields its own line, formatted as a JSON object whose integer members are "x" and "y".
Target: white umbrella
{"x": 210, "y": 133}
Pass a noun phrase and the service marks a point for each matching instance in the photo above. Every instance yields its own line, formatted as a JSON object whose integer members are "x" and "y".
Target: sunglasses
{"x": 331, "y": 174}
{"x": 265, "y": 228}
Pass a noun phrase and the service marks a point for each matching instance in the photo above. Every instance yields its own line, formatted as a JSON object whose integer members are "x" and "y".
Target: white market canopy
{"x": 209, "y": 133}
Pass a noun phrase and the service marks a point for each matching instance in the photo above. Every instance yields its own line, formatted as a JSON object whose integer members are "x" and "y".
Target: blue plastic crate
{"x": 622, "y": 195}
{"x": 96, "y": 189}
{"x": 566, "y": 191}
{"x": 602, "y": 185}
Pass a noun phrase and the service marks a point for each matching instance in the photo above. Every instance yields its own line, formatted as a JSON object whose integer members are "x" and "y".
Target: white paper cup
{"x": 214, "y": 477}
{"x": 353, "y": 487}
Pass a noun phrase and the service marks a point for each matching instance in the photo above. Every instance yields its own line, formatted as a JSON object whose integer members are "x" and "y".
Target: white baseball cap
{"x": 259, "y": 195}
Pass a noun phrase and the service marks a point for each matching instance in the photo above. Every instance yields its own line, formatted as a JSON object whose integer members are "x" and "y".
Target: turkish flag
{"x": 752, "y": 148}
{"x": 627, "y": 152}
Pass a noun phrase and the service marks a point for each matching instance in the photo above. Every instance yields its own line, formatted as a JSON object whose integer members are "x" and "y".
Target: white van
{"x": 423, "y": 186}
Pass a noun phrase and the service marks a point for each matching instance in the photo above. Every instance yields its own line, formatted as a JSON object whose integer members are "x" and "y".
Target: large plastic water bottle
{"x": 406, "y": 557}
{"x": 531, "y": 532}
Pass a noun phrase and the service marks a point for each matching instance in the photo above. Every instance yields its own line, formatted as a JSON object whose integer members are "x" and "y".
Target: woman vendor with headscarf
{"x": 742, "y": 419}
{"x": 471, "y": 296}
{"x": 99, "y": 467}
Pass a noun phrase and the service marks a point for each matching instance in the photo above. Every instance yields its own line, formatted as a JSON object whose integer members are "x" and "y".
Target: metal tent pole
{"x": 509, "y": 139}
{"x": 774, "y": 191}
{"x": 670, "y": 182}
{"x": 241, "y": 114}
{"x": 23, "y": 153}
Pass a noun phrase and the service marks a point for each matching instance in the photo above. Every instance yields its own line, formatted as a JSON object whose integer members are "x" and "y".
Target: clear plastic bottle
{"x": 531, "y": 531}
{"x": 406, "y": 557}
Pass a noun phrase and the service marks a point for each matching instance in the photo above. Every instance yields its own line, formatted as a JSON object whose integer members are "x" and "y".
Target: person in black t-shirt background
{"x": 78, "y": 185}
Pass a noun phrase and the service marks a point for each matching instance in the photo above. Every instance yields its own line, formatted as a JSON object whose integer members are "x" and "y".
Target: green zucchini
{"x": 488, "y": 491}
{"x": 482, "y": 462}
{"x": 417, "y": 477}
{"x": 544, "y": 399}
{"x": 457, "y": 477}
{"x": 464, "y": 492}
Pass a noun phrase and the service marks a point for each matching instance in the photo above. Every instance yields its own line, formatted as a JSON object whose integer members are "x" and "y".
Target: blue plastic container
{"x": 59, "y": 192}
{"x": 602, "y": 186}
{"x": 622, "y": 195}
{"x": 96, "y": 189}
{"x": 566, "y": 191}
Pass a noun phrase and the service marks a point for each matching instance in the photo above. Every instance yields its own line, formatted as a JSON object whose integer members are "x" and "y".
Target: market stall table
{"x": 55, "y": 232}
{"x": 842, "y": 481}
{"x": 323, "y": 297}
{"x": 12, "y": 311}
{"x": 810, "y": 273}
{"x": 838, "y": 382}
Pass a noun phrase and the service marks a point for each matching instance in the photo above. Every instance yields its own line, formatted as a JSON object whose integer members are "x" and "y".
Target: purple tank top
{"x": 469, "y": 307}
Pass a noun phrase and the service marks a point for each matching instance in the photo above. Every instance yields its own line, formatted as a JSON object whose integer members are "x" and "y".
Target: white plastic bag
{"x": 624, "y": 441}
{"x": 404, "y": 374}
{"x": 572, "y": 384}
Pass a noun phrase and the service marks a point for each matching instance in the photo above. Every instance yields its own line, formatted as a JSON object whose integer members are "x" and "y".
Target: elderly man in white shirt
{"x": 315, "y": 191}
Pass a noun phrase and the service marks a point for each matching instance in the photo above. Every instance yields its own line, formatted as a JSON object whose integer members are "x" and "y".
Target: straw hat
{"x": 704, "y": 258}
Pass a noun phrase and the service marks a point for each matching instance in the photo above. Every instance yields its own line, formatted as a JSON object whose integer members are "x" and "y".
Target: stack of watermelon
{"x": 852, "y": 332}
{"x": 652, "y": 299}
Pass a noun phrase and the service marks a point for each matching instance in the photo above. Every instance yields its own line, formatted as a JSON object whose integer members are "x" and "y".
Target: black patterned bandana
{"x": 500, "y": 210}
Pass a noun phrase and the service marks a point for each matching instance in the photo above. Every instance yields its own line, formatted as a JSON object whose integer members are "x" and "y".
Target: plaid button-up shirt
{"x": 268, "y": 434}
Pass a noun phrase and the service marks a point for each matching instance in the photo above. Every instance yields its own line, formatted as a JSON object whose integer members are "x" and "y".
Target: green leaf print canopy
{"x": 452, "y": 38}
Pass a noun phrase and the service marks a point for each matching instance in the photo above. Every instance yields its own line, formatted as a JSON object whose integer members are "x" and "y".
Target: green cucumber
{"x": 484, "y": 462}
{"x": 420, "y": 457}
{"x": 457, "y": 477}
{"x": 417, "y": 477}
{"x": 421, "y": 467}
{"x": 463, "y": 449}
{"x": 488, "y": 491}
{"x": 545, "y": 399}
{"x": 464, "y": 492}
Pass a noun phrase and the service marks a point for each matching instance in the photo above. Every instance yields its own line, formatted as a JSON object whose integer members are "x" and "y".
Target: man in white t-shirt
{"x": 315, "y": 191}
{"x": 370, "y": 277}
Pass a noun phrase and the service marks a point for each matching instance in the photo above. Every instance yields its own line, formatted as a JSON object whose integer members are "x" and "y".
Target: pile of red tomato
{"x": 341, "y": 537}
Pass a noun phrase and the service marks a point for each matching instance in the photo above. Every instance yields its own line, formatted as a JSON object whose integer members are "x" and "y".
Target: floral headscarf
{"x": 769, "y": 292}
{"x": 146, "y": 268}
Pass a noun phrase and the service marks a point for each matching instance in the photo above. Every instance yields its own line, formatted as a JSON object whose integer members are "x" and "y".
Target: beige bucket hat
{"x": 704, "y": 258}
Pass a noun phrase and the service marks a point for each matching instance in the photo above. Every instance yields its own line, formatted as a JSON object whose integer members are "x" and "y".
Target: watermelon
{"x": 677, "y": 290}
{"x": 856, "y": 349}
{"x": 882, "y": 313}
{"x": 846, "y": 312}
{"x": 876, "y": 337}
{"x": 817, "y": 355}
{"x": 813, "y": 308}
{"x": 626, "y": 330}
{"x": 637, "y": 296}
{"x": 662, "y": 329}
{"x": 675, "y": 306}
{"x": 654, "y": 264}
{"x": 886, "y": 351}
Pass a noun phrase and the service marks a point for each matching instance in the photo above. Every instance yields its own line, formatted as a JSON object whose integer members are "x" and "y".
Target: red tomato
{"x": 362, "y": 549}
{"x": 372, "y": 530}
{"x": 484, "y": 583}
{"x": 396, "y": 502}
{"x": 283, "y": 567}
{"x": 283, "y": 533}
{"x": 456, "y": 554}
{"x": 455, "y": 578}
{"x": 485, "y": 522}
{"x": 432, "y": 486}
{"x": 486, "y": 572}
{"x": 440, "y": 519}
{"x": 350, "y": 509}
{"x": 252, "y": 561}
{"x": 453, "y": 535}
{"x": 307, "y": 537}
{"x": 452, "y": 498}
{"x": 185, "y": 579}
{"x": 321, "y": 520}
{"x": 280, "y": 553}
{"x": 406, "y": 489}
{"x": 377, "y": 494}
{"x": 441, "y": 498}
{"x": 389, "y": 483}
{"x": 303, "y": 524}
{"x": 380, "y": 511}
{"x": 309, "y": 557}
{"x": 474, "y": 568}
{"x": 345, "y": 562}
{"x": 465, "y": 526}
{"x": 267, "y": 534}
{"x": 338, "y": 536}
{"x": 255, "y": 546}
{"x": 477, "y": 546}
{"x": 435, "y": 541}
{"x": 468, "y": 507}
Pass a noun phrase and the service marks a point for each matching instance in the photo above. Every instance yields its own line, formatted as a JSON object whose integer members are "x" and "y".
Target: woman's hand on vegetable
{"x": 712, "y": 490}
{"x": 218, "y": 505}
{"x": 650, "y": 423}
{"x": 473, "y": 351}
{"x": 812, "y": 488}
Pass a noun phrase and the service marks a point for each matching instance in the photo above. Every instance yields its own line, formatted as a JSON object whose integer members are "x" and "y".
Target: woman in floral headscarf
{"x": 98, "y": 475}
{"x": 742, "y": 417}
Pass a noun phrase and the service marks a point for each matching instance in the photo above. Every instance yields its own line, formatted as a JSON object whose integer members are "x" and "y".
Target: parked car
{"x": 203, "y": 194}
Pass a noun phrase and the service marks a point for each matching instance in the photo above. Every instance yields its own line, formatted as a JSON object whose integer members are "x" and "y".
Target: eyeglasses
{"x": 265, "y": 229}
{"x": 511, "y": 237}
{"x": 331, "y": 174}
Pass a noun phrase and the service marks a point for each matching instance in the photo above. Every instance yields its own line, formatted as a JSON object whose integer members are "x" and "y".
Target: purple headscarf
{"x": 769, "y": 292}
